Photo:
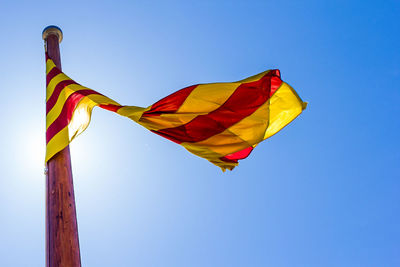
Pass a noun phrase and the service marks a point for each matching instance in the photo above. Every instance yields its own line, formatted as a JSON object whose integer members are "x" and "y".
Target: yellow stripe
{"x": 53, "y": 83}
{"x": 166, "y": 120}
{"x": 209, "y": 154}
{"x": 49, "y": 65}
{"x": 64, "y": 94}
{"x": 220, "y": 144}
{"x": 101, "y": 99}
{"x": 57, "y": 143}
{"x": 133, "y": 112}
{"x": 223, "y": 164}
{"x": 200, "y": 102}
{"x": 285, "y": 106}
{"x": 252, "y": 128}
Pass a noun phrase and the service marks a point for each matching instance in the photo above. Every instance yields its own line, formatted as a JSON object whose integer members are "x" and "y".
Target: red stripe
{"x": 111, "y": 107}
{"x": 246, "y": 99}
{"x": 66, "y": 113}
{"x": 166, "y": 136}
{"x": 56, "y": 93}
{"x": 54, "y": 72}
{"x": 234, "y": 157}
{"x": 169, "y": 104}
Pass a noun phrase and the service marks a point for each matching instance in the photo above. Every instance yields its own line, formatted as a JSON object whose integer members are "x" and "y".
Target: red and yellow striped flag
{"x": 221, "y": 122}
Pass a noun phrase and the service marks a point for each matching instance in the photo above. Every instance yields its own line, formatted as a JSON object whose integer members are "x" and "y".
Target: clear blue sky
{"x": 323, "y": 192}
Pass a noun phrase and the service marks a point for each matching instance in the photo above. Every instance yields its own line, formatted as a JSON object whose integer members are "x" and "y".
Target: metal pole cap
{"x": 52, "y": 29}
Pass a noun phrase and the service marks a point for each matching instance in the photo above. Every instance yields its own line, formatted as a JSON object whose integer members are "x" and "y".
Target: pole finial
{"x": 52, "y": 29}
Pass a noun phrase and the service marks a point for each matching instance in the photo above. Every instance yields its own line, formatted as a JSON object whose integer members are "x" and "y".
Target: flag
{"x": 221, "y": 122}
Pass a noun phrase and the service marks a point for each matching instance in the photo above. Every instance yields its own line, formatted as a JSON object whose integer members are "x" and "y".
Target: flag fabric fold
{"x": 221, "y": 122}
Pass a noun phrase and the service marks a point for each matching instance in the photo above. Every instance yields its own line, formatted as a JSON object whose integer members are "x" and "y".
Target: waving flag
{"x": 221, "y": 122}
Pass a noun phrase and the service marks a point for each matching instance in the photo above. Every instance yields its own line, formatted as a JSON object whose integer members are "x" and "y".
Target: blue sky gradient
{"x": 323, "y": 192}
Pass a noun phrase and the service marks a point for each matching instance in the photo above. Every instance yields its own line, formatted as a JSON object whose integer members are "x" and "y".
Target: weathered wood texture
{"x": 62, "y": 242}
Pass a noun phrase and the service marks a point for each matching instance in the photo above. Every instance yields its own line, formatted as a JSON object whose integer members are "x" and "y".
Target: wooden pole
{"x": 62, "y": 242}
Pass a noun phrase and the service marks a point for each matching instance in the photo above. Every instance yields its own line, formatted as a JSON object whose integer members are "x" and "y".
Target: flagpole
{"x": 62, "y": 242}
